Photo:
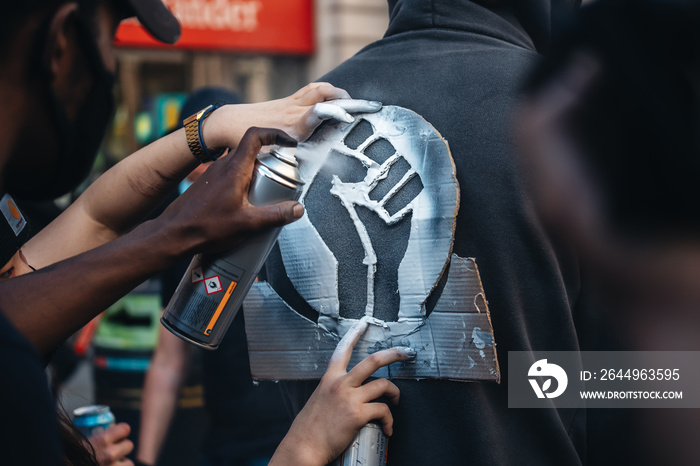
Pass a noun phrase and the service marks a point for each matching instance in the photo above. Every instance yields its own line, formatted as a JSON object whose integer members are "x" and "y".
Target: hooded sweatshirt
{"x": 461, "y": 65}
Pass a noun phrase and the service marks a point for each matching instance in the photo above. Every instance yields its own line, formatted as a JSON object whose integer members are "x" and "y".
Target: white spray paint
{"x": 357, "y": 194}
{"x": 350, "y": 338}
{"x": 476, "y": 337}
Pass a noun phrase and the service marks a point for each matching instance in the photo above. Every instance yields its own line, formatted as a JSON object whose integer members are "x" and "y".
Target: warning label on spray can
{"x": 203, "y": 299}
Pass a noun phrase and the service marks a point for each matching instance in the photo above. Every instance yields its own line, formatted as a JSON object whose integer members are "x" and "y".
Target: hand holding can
{"x": 342, "y": 404}
{"x": 112, "y": 445}
{"x": 214, "y": 286}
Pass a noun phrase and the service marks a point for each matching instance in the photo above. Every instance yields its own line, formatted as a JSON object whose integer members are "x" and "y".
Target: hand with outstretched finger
{"x": 342, "y": 404}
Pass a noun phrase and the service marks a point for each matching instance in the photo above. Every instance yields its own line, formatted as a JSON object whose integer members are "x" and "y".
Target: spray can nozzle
{"x": 286, "y": 154}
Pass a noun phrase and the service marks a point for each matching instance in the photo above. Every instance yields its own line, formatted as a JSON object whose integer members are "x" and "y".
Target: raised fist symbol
{"x": 381, "y": 198}
{"x": 365, "y": 187}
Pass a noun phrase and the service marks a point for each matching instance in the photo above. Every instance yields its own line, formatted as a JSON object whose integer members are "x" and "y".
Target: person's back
{"x": 461, "y": 67}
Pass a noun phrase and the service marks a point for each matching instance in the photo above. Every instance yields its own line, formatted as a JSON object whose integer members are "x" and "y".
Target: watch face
{"x": 204, "y": 112}
{"x": 195, "y": 117}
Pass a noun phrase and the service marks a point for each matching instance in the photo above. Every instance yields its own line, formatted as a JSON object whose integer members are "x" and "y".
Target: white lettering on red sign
{"x": 222, "y": 15}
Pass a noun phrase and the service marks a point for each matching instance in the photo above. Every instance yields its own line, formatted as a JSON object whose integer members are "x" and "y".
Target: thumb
{"x": 276, "y": 215}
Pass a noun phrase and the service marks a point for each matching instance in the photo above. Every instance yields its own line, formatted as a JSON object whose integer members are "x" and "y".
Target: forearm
{"x": 292, "y": 452}
{"x": 160, "y": 393}
{"x": 49, "y": 305}
{"x": 133, "y": 188}
{"x": 115, "y": 202}
{"x": 157, "y": 410}
{"x": 212, "y": 216}
{"x": 130, "y": 190}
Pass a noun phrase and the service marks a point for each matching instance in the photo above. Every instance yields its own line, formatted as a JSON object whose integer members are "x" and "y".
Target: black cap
{"x": 156, "y": 18}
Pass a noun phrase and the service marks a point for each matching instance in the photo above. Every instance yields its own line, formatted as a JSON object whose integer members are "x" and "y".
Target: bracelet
{"x": 193, "y": 132}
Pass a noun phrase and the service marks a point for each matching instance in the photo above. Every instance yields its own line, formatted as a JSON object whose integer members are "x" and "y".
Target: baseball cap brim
{"x": 158, "y": 20}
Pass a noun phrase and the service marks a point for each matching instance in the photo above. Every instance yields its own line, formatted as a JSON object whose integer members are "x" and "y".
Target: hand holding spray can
{"x": 214, "y": 286}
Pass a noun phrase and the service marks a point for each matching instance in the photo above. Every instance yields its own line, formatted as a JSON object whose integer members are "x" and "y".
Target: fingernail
{"x": 298, "y": 211}
{"x": 349, "y": 118}
{"x": 375, "y": 103}
{"x": 408, "y": 351}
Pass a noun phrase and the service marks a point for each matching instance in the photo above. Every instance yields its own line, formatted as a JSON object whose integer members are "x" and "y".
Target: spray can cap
{"x": 280, "y": 162}
{"x": 286, "y": 154}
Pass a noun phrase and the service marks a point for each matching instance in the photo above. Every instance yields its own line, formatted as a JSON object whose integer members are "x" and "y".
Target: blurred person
{"x": 609, "y": 133}
{"x": 111, "y": 445}
{"x": 56, "y": 87}
{"x": 246, "y": 421}
{"x": 602, "y": 186}
{"x": 462, "y": 65}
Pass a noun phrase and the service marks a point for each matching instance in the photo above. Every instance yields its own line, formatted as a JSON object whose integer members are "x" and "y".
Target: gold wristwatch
{"x": 193, "y": 132}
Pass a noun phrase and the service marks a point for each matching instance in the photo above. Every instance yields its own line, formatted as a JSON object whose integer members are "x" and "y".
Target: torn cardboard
{"x": 387, "y": 169}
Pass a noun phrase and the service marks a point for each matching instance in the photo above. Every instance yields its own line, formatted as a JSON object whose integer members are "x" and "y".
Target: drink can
{"x": 369, "y": 448}
{"x": 215, "y": 285}
{"x": 88, "y": 419}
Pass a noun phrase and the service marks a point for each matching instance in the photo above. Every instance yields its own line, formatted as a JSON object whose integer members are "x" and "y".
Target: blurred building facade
{"x": 149, "y": 75}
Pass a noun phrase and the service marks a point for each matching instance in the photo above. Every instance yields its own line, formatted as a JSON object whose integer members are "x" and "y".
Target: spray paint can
{"x": 368, "y": 448}
{"x": 214, "y": 286}
{"x": 88, "y": 419}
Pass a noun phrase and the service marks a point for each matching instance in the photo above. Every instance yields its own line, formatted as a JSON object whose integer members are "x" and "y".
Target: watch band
{"x": 193, "y": 132}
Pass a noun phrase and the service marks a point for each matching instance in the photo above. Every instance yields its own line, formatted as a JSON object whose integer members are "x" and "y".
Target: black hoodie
{"x": 461, "y": 65}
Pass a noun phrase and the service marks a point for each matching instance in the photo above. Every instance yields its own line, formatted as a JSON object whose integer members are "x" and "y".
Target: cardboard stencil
{"x": 381, "y": 200}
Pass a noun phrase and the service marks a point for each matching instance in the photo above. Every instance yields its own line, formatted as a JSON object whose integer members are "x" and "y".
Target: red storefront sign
{"x": 267, "y": 26}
